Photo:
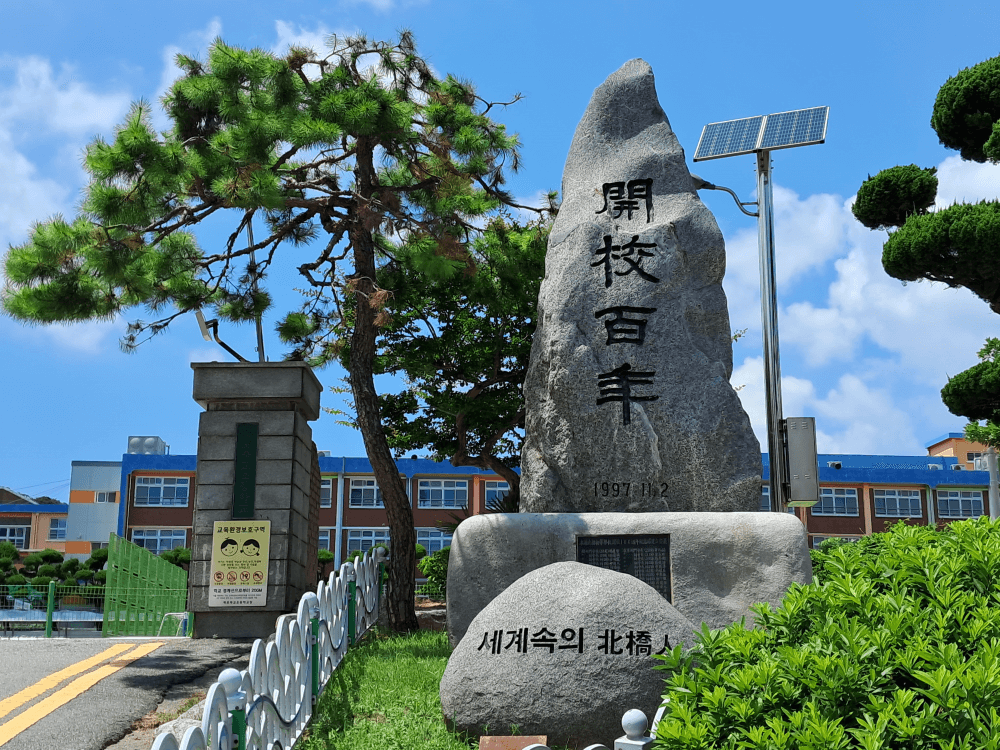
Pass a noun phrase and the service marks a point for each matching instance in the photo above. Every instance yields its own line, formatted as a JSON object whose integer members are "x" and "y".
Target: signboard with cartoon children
{"x": 239, "y": 563}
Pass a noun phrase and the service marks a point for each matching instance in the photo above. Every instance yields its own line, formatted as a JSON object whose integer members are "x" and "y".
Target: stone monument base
{"x": 242, "y": 624}
{"x": 719, "y": 563}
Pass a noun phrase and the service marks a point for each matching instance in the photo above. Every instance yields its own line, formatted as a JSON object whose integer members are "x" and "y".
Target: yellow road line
{"x": 47, "y": 683}
{"x": 81, "y": 684}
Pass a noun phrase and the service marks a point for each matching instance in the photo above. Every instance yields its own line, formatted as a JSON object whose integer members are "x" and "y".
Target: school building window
{"x": 324, "y": 539}
{"x": 960, "y": 504}
{"x": 362, "y": 540}
{"x": 765, "y": 499}
{"x": 494, "y": 492}
{"x": 106, "y": 497}
{"x": 365, "y": 494}
{"x": 433, "y": 540}
{"x": 897, "y": 504}
{"x": 159, "y": 540}
{"x": 57, "y": 529}
{"x": 162, "y": 491}
{"x": 326, "y": 493}
{"x": 16, "y": 535}
{"x": 443, "y": 493}
{"x": 836, "y": 501}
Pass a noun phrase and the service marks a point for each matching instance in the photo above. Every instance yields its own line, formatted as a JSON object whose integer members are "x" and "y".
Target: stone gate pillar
{"x": 256, "y": 462}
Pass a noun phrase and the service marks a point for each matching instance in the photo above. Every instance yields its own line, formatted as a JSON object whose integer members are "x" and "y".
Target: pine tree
{"x": 363, "y": 150}
{"x": 958, "y": 245}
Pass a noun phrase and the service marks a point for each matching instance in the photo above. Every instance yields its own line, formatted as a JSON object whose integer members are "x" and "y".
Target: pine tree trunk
{"x": 402, "y": 546}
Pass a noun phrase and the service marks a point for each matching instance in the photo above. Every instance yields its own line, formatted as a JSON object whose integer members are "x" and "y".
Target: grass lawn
{"x": 384, "y": 695}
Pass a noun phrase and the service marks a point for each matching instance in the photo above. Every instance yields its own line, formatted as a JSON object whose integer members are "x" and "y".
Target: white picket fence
{"x": 268, "y": 705}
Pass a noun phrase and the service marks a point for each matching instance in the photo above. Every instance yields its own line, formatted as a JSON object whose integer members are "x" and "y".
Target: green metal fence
{"x": 141, "y": 590}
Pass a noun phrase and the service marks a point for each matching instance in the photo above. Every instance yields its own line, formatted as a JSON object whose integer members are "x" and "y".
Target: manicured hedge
{"x": 896, "y": 645}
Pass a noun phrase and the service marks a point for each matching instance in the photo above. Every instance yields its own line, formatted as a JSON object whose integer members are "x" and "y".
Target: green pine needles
{"x": 280, "y": 140}
{"x": 896, "y": 646}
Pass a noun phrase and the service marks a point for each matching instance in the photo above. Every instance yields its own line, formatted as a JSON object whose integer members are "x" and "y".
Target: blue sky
{"x": 862, "y": 353}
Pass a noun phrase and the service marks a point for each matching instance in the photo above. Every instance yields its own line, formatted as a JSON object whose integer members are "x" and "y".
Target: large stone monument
{"x": 638, "y": 457}
{"x": 258, "y": 481}
{"x": 629, "y": 405}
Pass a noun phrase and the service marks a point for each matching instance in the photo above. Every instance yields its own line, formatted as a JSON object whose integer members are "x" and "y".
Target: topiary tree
{"x": 959, "y": 245}
{"x": 101, "y": 577}
{"x": 84, "y": 574}
{"x": 8, "y": 551}
{"x": 69, "y": 568}
{"x": 51, "y": 556}
{"x": 51, "y": 571}
{"x": 383, "y": 162}
{"x": 41, "y": 581}
{"x": 97, "y": 559}
{"x": 16, "y": 580}
{"x": 179, "y": 556}
{"x": 31, "y": 563}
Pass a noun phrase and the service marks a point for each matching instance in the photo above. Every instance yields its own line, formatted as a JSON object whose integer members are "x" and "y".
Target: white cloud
{"x": 966, "y": 182}
{"x": 290, "y": 33}
{"x": 40, "y": 102}
{"x": 195, "y": 44}
{"x": 25, "y": 195}
{"x": 853, "y": 417}
{"x": 883, "y": 350}
{"x": 87, "y": 338}
{"x": 57, "y": 103}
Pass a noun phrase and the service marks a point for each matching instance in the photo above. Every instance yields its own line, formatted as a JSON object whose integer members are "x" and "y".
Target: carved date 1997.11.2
{"x": 630, "y": 489}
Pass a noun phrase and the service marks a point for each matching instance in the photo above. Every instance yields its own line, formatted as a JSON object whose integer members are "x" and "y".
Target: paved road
{"x": 85, "y": 694}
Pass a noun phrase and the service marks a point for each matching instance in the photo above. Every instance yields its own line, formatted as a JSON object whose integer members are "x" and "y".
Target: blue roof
{"x": 893, "y": 470}
{"x": 854, "y": 469}
{"x": 30, "y": 508}
{"x": 948, "y": 436}
{"x": 407, "y": 466}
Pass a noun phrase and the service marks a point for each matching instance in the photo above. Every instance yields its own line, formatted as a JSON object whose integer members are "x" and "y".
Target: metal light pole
{"x": 760, "y": 135}
{"x": 769, "y": 324}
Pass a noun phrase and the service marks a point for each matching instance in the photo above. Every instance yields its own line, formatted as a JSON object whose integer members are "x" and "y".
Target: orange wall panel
{"x": 81, "y": 496}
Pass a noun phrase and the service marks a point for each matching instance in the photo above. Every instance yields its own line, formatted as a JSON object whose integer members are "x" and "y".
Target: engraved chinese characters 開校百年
{"x": 632, "y": 355}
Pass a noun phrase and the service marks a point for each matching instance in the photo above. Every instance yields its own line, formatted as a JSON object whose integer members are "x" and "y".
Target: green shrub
{"x": 84, "y": 574}
{"x": 179, "y": 556}
{"x": 51, "y": 556}
{"x": 421, "y": 551}
{"x": 101, "y": 576}
{"x": 6, "y": 565}
{"x": 435, "y": 567}
{"x": 69, "y": 567}
{"x": 32, "y": 561}
{"x": 8, "y": 551}
{"x": 896, "y": 646}
{"x": 41, "y": 581}
{"x": 97, "y": 559}
{"x": 51, "y": 571}
{"x": 16, "y": 580}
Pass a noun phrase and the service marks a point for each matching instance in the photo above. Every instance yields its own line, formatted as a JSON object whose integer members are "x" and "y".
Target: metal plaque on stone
{"x": 644, "y": 556}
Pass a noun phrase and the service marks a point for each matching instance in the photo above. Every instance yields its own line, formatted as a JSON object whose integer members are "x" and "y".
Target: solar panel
{"x": 729, "y": 138}
{"x": 800, "y": 127}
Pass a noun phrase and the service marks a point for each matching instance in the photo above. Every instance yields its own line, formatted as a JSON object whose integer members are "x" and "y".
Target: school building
{"x": 148, "y": 498}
